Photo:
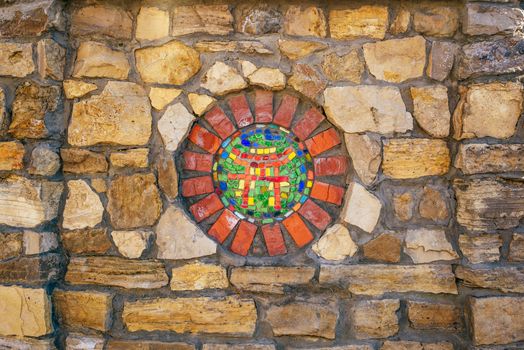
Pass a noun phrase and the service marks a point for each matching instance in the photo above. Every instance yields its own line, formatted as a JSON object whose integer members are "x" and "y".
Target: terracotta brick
{"x": 197, "y": 161}
{"x": 204, "y": 139}
{"x": 206, "y": 207}
{"x": 240, "y": 109}
{"x": 197, "y": 185}
{"x": 244, "y": 237}
{"x": 307, "y": 123}
{"x": 298, "y": 230}
{"x": 286, "y": 111}
{"x": 327, "y": 193}
{"x": 323, "y": 141}
{"x": 331, "y": 166}
{"x": 223, "y": 226}
{"x": 263, "y": 106}
{"x": 315, "y": 214}
{"x": 274, "y": 240}
{"x": 220, "y": 122}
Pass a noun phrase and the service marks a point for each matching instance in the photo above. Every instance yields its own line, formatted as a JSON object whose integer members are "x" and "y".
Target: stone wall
{"x": 412, "y": 237}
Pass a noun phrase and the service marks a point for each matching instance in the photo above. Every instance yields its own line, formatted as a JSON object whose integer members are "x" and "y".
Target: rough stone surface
{"x": 401, "y": 22}
{"x": 11, "y": 155}
{"x": 161, "y": 97}
{"x": 83, "y": 207}
{"x": 222, "y": 79}
{"x": 167, "y": 175}
{"x": 102, "y": 20}
{"x": 81, "y": 161}
{"x": 152, "y": 23}
{"x": 75, "y": 88}
{"x": 2, "y": 109}
{"x": 486, "y": 19}
{"x": 31, "y": 270}
{"x": 348, "y": 67}
{"x": 375, "y": 318}
{"x": 257, "y": 19}
{"x": 476, "y": 158}
{"x": 131, "y": 244}
{"x": 27, "y": 343}
{"x": 198, "y": 276}
{"x": 116, "y": 344}
{"x": 28, "y": 18}
{"x": 200, "y": 103}
{"x": 507, "y": 279}
{"x": 480, "y": 249}
{"x": 174, "y": 126}
{"x": 414, "y": 345}
{"x": 270, "y": 279}
{"x": 428, "y": 245}
{"x": 403, "y": 205}
{"x": 361, "y": 208}
{"x": 86, "y": 241}
{"x": 44, "y": 161}
{"x": 11, "y": 245}
{"x": 364, "y": 21}
{"x": 426, "y": 315}
{"x": 39, "y": 242}
{"x": 297, "y": 49}
{"x": 384, "y": 248}
{"x": 78, "y": 341}
{"x": 516, "y": 248}
{"x": 307, "y": 81}
{"x": 432, "y": 205}
{"x": 249, "y": 47}
{"x": 210, "y": 19}
{"x": 132, "y": 158}
{"x": 95, "y": 60}
{"x": 366, "y": 155}
{"x": 431, "y": 109}
{"x": 305, "y": 21}
{"x": 99, "y": 185}
{"x": 243, "y": 346}
{"x": 16, "y": 59}
{"x": 51, "y": 59}
{"x": 441, "y": 59}
{"x": 437, "y": 21}
{"x": 335, "y": 244}
{"x": 268, "y": 78}
{"x": 77, "y": 309}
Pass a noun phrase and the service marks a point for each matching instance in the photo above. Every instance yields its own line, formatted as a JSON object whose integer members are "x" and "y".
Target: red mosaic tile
{"x": 204, "y": 139}
{"x": 323, "y": 141}
{"x": 263, "y": 106}
{"x": 243, "y": 238}
{"x": 274, "y": 240}
{"x": 286, "y": 111}
{"x": 206, "y": 207}
{"x": 197, "y": 161}
{"x": 240, "y": 109}
{"x": 197, "y": 185}
{"x": 330, "y": 166}
{"x": 327, "y": 192}
{"x": 307, "y": 123}
{"x": 298, "y": 230}
{"x": 220, "y": 122}
{"x": 313, "y": 213}
{"x": 223, "y": 226}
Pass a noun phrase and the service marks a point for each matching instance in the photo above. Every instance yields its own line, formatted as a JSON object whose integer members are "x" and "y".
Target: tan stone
{"x": 428, "y": 245}
{"x": 132, "y": 158}
{"x": 151, "y": 24}
{"x": 496, "y": 320}
{"x": 516, "y": 248}
{"x": 102, "y": 20}
{"x": 174, "y": 125}
{"x": 348, "y": 67}
{"x": 88, "y": 309}
{"x": 438, "y": 21}
{"x": 414, "y": 345}
{"x": 222, "y": 79}
{"x": 475, "y": 158}
{"x": 361, "y": 208}
{"x": 44, "y": 161}
{"x": 297, "y": 49}
{"x": 18, "y": 19}
{"x": 120, "y": 115}
{"x": 117, "y": 272}
{"x": 403, "y": 206}
{"x": 431, "y": 109}
{"x": 115, "y": 344}
{"x": 31, "y": 270}
{"x": 75, "y": 89}
{"x": 249, "y": 47}
{"x": 363, "y": 108}
{"x": 401, "y": 22}
{"x": 2, "y": 109}
{"x": 210, "y": 19}
{"x": 305, "y": 21}
{"x": 268, "y": 78}
{"x": 131, "y": 244}
{"x": 432, "y": 205}
{"x": 441, "y": 59}
{"x": 375, "y": 279}
{"x": 83, "y": 207}
{"x": 10, "y": 245}
{"x": 200, "y": 103}
{"x": 16, "y": 59}
{"x": 161, "y": 97}
{"x": 39, "y": 242}
{"x": 307, "y": 81}
{"x": 86, "y": 241}
{"x": 427, "y": 315}
{"x": 227, "y": 315}
{"x": 27, "y": 343}
{"x": 486, "y": 19}
{"x": 340, "y": 347}
{"x": 257, "y": 19}
{"x": 396, "y": 60}
{"x": 11, "y": 155}
{"x": 477, "y": 116}
{"x": 243, "y": 346}
{"x": 167, "y": 175}
{"x": 99, "y": 185}
{"x": 25, "y": 312}
{"x": 384, "y": 248}
{"x": 81, "y": 161}
{"x": 507, "y": 279}
{"x": 366, "y": 21}
{"x": 480, "y": 249}
{"x": 375, "y": 318}
{"x": 335, "y": 244}
{"x": 78, "y": 341}
{"x": 247, "y": 68}
{"x": 198, "y": 276}
{"x": 270, "y": 279}
{"x": 96, "y": 60}
{"x": 51, "y": 59}
{"x": 366, "y": 155}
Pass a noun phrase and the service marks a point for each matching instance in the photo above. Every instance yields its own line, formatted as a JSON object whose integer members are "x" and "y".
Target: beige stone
{"x": 172, "y": 63}
{"x": 198, "y": 276}
{"x": 363, "y": 108}
{"x": 25, "y": 312}
{"x": 365, "y": 152}
{"x": 75, "y": 88}
{"x": 247, "y": 68}
{"x": 507, "y": 279}
{"x": 268, "y": 78}
{"x": 308, "y": 81}
{"x": 340, "y": 347}
{"x": 210, "y": 19}
{"x": 431, "y": 109}
{"x": 477, "y": 116}
{"x": 414, "y": 345}
{"x": 335, "y": 244}
{"x": 441, "y": 59}
{"x": 475, "y": 158}
{"x": 403, "y": 206}
{"x": 243, "y": 346}
{"x": 78, "y": 309}
{"x": 117, "y": 344}
{"x": 131, "y": 244}
{"x": 375, "y": 318}
{"x": 432, "y": 205}
{"x": 250, "y": 47}
{"x": 227, "y": 315}
{"x": 132, "y": 158}
{"x": 427, "y": 315}
{"x": 44, "y": 161}
{"x": 11, "y": 155}
{"x": 486, "y": 19}
{"x": 440, "y": 21}
{"x": 516, "y": 248}
{"x": 384, "y": 248}
{"x": 16, "y": 59}
{"x": 152, "y": 23}
{"x": 81, "y": 161}
{"x": 174, "y": 126}
{"x": 39, "y": 242}
{"x": 401, "y": 22}
{"x": 99, "y": 185}
{"x": 200, "y": 103}
{"x": 2, "y": 109}
{"x": 365, "y": 21}
{"x": 102, "y": 20}
{"x": 348, "y": 67}
{"x": 11, "y": 245}
{"x": 480, "y": 249}
{"x": 305, "y": 21}
{"x": 78, "y": 341}
{"x": 428, "y": 245}
{"x": 297, "y": 49}
{"x": 27, "y": 343}
{"x": 222, "y": 79}
{"x": 396, "y": 60}
{"x": 51, "y": 59}
{"x": 86, "y": 241}
{"x": 96, "y": 60}
{"x": 120, "y": 115}
{"x": 83, "y": 207}
{"x": 167, "y": 174}
{"x": 161, "y": 97}
{"x": 361, "y": 208}
{"x": 270, "y": 279}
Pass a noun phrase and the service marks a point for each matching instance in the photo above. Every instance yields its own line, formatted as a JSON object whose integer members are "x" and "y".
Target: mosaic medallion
{"x": 264, "y": 183}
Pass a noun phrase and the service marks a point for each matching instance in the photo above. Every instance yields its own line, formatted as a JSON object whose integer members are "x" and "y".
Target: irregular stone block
{"x": 44, "y": 161}
{"x": 222, "y": 79}
{"x": 437, "y": 21}
{"x": 257, "y": 19}
{"x": 476, "y": 158}
{"x": 11, "y": 245}
{"x": 152, "y": 23}
{"x": 348, "y": 67}
{"x": 75, "y": 89}
{"x": 364, "y": 21}
{"x": 401, "y": 22}
{"x": 427, "y": 315}
{"x": 335, "y": 244}
{"x": 102, "y": 20}
{"x": 441, "y": 59}
{"x": 81, "y": 161}
{"x": 131, "y": 244}
{"x": 27, "y": 343}
{"x": 365, "y": 152}
{"x": 431, "y": 109}
{"x": 95, "y": 60}
{"x": 198, "y": 276}
{"x": 39, "y": 242}
{"x": 36, "y": 270}
{"x": 174, "y": 125}
{"x": 414, "y": 345}
{"x": 307, "y": 80}
{"x": 433, "y": 205}
{"x": 51, "y": 59}
{"x": 242, "y": 346}
{"x": 115, "y": 344}
{"x": 296, "y": 49}
{"x": 249, "y": 47}
{"x": 361, "y": 208}
{"x": 83, "y": 207}
{"x": 385, "y": 248}
{"x": 88, "y": 309}
{"x": 486, "y": 19}
{"x": 86, "y": 241}
{"x": 11, "y": 155}
{"x": 200, "y": 103}
{"x": 481, "y": 249}
{"x": 270, "y": 279}
{"x": 77, "y": 341}
{"x": 268, "y": 78}
{"x": 210, "y": 19}
{"x": 161, "y": 97}
{"x": 375, "y": 318}
{"x": 507, "y": 279}
{"x": 516, "y": 248}
{"x": 305, "y": 21}
{"x": 132, "y": 158}
{"x": 16, "y": 59}
{"x": 425, "y": 245}
{"x": 29, "y": 18}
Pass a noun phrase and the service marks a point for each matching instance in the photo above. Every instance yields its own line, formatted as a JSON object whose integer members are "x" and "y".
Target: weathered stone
{"x": 118, "y": 272}
{"x": 366, "y": 156}
{"x": 28, "y": 18}
{"x": 257, "y": 19}
{"x": 431, "y": 109}
{"x": 348, "y": 67}
{"x": 200, "y": 103}
{"x": 11, "y": 155}
{"x": 305, "y": 21}
{"x": 28, "y": 203}
{"x": 172, "y": 63}
{"x": 364, "y": 21}
{"x": 51, "y": 59}
{"x": 86, "y": 241}
{"x": 270, "y": 279}
{"x": 489, "y": 204}
{"x": 433, "y": 205}
{"x": 10, "y": 245}
{"x": 361, "y": 208}
{"x": 39, "y": 242}
{"x": 403, "y": 206}
{"x": 77, "y": 341}
{"x": 151, "y": 24}
{"x": 414, "y": 345}
{"x": 95, "y": 60}
{"x": 475, "y": 158}
{"x": 102, "y": 20}
{"x": 210, "y": 19}
{"x": 367, "y": 108}
{"x": 480, "y": 249}
{"x": 167, "y": 175}
{"x": 268, "y": 78}
{"x": 198, "y": 276}
{"x": 374, "y": 279}
{"x": 335, "y": 244}
{"x": 81, "y": 161}
{"x": 412, "y": 158}
{"x": 400, "y": 23}
{"x": 161, "y": 97}
{"x": 177, "y": 237}
{"x": 132, "y": 158}
{"x": 247, "y": 68}
{"x": 477, "y": 116}
{"x": 115, "y": 344}
{"x": 83, "y": 207}
{"x": 44, "y": 161}
{"x": 307, "y": 81}
{"x": 35, "y": 270}
{"x": 436, "y": 21}
{"x": 120, "y": 115}
{"x": 249, "y": 47}
{"x": 486, "y": 19}
{"x": 428, "y": 245}
{"x": 340, "y": 347}
{"x": 16, "y": 59}
{"x": 174, "y": 126}
{"x": 133, "y": 201}
{"x": 27, "y": 343}
{"x": 74, "y": 88}
{"x": 78, "y": 309}
{"x": 296, "y": 49}
{"x": 507, "y": 279}
{"x": 426, "y": 315}
{"x": 227, "y": 315}
{"x": 131, "y": 244}
{"x": 32, "y": 103}
{"x": 99, "y": 185}
{"x": 2, "y": 110}
{"x": 309, "y": 318}
{"x": 25, "y": 312}
{"x": 243, "y": 346}
{"x": 441, "y": 59}
{"x": 396, "y": 60}
{"x": 384, "y": 248}
{"x": 222, "y": 79}
{"x": 516, "y": 248}
{"x": 375, "y": 318}
{"x": 496, "y": 320}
